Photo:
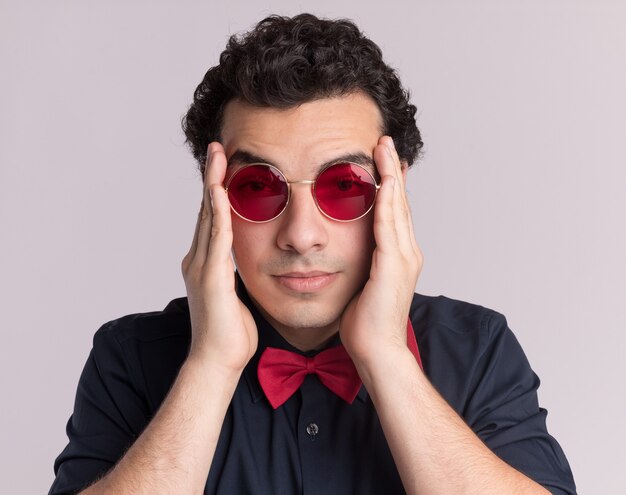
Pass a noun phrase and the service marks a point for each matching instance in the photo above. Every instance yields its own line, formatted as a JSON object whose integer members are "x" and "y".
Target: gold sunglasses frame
{"x": 304, "y": 181}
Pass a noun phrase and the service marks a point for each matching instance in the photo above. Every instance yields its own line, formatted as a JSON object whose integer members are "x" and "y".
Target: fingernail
{"x": 391, "y": 144}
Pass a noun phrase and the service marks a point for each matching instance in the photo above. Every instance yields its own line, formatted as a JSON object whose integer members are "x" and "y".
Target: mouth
{"x": 306, "y": 282}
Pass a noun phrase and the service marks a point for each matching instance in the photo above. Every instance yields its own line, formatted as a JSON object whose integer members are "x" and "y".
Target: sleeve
{"x": 108, "y": 416}
{"x": 503, "y": 410}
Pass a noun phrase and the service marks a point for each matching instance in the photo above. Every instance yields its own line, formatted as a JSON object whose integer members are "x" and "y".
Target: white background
{"x": 519, "y": 203}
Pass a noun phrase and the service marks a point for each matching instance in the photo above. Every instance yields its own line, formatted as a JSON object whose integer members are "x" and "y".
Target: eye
{"x": 345, "y": 184}
{"x": 260, "y": 186}
{"x": 343, "y": 181}
{"x": 257, "y": 181}
{"x": 348, "y": 183}
{"x": 254, "y": 185}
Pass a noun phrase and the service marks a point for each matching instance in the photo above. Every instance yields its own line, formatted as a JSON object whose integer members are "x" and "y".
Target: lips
{"x": 306, "y": 281}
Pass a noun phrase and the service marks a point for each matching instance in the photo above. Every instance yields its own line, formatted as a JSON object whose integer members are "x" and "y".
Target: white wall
{"x": 518, "y": 204}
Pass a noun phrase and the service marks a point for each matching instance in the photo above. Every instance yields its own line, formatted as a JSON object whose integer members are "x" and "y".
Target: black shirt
{"x": 315, "y": 443}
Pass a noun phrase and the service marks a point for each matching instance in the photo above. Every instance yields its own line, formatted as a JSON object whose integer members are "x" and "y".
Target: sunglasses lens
{"x": 345, "y": 191}
{"x": 258, "y": 192}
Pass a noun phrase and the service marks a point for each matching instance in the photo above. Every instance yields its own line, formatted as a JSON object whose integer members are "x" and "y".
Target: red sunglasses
{"x": 343, "y": 191}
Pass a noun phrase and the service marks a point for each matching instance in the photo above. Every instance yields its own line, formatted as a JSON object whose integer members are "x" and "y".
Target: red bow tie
{"x": 282, "y": 372}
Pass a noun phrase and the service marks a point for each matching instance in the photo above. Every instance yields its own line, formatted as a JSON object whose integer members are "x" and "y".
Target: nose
{"x": 303, "y": 228}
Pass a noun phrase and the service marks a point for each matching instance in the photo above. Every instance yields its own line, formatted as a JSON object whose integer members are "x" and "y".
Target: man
{"x": 301, "y": 361}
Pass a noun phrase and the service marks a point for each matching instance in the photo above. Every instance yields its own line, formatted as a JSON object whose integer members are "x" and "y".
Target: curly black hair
{"x": 287, "y": 61}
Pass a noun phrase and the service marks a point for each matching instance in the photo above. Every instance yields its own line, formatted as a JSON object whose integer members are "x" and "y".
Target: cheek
{"x": 242, "y": 252}
{"x": 358, "y": 242}
{"x": 250, "y": 241}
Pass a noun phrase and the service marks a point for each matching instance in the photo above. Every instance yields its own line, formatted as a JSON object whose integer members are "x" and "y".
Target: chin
{"x": 285, "y": 308}
{"x": 309, "y": 319}
{"x": 302, "y": 314}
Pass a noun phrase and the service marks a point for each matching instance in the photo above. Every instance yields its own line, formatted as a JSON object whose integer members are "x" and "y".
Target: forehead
{"x": 301, "y": 139}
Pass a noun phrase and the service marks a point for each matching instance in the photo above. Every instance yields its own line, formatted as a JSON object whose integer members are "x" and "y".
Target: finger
{"x": 390, "y": 160}
{"x": 405, "y": 243}
{"x": 406, "y": 232}
{"x": 403, "y": 171}
{"x": 385, "y": 233}
{"x": 202, "y": 214}
{"x": 206, "y": 213}
{"x": 387, "y": 142}
{"x": 388, "y": 163}
{"x": 387, "y": 159}
{"x": 412, "y": 237}
{"x": 414, "y": 250}
{"x": 403, "y": 222}
{"x": 384, "y": 159}
{"x": 399, "y": 165}
{"x": 221, "y": 238}
{"x": 221, "y": 229}
{"x": 194, "y": 243}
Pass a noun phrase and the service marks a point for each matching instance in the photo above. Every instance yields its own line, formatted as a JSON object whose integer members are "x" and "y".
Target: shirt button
{"x": 312, "y": 430}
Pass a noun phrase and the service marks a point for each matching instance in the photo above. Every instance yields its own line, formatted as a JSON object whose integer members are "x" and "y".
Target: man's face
{"x": 302, "y": 268}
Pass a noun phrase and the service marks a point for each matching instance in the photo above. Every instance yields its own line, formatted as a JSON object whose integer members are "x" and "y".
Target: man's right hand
{"x": 170, "y": 455}
{"x": 223, "y": 330}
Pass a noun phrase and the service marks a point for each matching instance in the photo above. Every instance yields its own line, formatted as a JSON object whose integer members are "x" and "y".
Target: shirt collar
{"x": 269, "y": 337}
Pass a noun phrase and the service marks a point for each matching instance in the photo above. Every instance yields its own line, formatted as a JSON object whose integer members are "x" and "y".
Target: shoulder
{"x": 170, "y": 323}
{"x": 442, "y": 314}
{"x": 144, "y": 350}
{"x": 462, "y": 344}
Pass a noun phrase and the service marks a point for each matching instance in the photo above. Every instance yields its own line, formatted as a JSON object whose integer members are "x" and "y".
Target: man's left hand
{"x": 374, "y": 323}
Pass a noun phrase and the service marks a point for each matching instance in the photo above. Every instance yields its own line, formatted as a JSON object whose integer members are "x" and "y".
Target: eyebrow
{"x": 242, "y": 157}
